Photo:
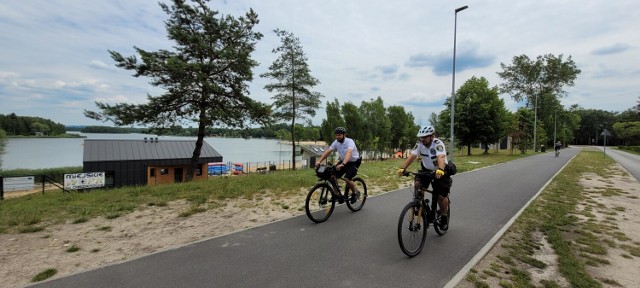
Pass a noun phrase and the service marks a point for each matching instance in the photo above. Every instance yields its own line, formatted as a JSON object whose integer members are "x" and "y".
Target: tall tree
{"x": 403, "y": 128}
{"x": 628, "y": 132}
{"x": 354, "y": 123}
{"x": 292, "y": 84}
{"x": 539, "y": 83}
{"x": 592, "y": 123}
{"x": 379, "y": 125}
{"x": 334, "y": 119}
{"x": 521, "y": 131}
{"x": 526, "y": 79}
{"x": 204, "y": 79}
{"x": 480, "y": 116}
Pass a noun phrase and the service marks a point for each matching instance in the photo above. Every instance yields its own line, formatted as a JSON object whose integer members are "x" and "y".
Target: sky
{"x": 54, "y": 60}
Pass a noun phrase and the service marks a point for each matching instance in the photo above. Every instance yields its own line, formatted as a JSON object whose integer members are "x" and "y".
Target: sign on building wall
{"x": 10, "y": 184}
{"x": 84, "y": 180}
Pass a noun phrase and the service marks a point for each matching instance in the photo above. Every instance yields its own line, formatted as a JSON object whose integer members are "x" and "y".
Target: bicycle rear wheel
{"x": 355, "y": 201}
{"x": 319, "y": 203}
{"x": 412, "y": 228}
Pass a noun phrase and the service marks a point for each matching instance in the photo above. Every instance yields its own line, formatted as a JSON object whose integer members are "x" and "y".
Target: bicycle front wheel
{"x": 412, "y": 229}
{"x": 319, "y": 203}
{"x": 355, "y": 200}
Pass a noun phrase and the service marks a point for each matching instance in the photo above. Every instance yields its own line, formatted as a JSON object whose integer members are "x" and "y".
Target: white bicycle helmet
{"x": 426, "y": 131}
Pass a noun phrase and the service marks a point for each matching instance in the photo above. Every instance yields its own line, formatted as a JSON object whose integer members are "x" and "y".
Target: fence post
{"x": 1, "y": 188}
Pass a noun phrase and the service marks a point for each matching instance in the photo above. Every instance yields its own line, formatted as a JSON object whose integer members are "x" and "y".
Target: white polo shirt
{"x": 346, "y": 145}
{"x": 430, "y": 154}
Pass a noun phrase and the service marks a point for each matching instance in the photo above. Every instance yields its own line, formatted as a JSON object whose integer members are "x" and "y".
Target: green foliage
{"x": 204, "y": 79}
{"x": 56, "y": 174}
{"x": 292, "y": 78}
{"x": 540, "y": 83}
{"x": 44, "y": 275}
{"x": 403, "y": 128}
{"x": 592, "y": 122}
{"x": 14, "y": 125}
{"x": 112, "y": 130}
{"x": 628, "y": 132}
{"x": 355, "y": 124}
{"x": 378, "y": 125}
{"x": 526, "y": 79}
{"x": 334, "y": 119}
{"x": 476, "y": 102}
{"x": 34, "y": 212}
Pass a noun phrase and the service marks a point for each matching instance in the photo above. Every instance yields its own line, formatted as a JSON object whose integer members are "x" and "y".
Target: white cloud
{"x": 57, "y": 51}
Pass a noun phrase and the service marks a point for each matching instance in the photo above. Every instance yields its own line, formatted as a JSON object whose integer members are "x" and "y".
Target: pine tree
{"x": 292, "y": 78}
{"x": 204, "y": 79}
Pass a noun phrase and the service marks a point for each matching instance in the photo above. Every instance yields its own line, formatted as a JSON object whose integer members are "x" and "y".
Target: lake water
{"x": 36, "y": 153}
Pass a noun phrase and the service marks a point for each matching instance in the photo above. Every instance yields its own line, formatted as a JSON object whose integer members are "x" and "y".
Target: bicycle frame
{"x": 418, "y": 195}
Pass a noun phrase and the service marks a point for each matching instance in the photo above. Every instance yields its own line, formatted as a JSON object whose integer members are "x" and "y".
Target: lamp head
{"x": 461, "y": 8}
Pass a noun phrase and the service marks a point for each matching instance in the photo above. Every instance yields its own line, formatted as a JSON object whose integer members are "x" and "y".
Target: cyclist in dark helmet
{"x": 349, "y": 158}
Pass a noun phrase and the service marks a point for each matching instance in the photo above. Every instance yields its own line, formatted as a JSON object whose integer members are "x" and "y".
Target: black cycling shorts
{"x": 440, "y": 186}
{"x": 349, "y": 170}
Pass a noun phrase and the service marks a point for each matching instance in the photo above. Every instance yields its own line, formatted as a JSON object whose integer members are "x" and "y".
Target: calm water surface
{"x": 36, "y": 153}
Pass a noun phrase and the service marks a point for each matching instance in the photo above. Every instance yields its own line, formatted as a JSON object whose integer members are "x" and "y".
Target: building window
{"x": 199, "y": 171}
{"x": 164, "y": 171}
{"x": 152, "y": 172}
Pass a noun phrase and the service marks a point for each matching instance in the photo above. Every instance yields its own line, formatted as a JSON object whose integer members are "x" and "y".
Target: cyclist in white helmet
{"x": 434, "y": 158}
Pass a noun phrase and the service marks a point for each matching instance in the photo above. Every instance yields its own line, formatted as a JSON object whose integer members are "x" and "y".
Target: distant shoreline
{"x": 318, "y": 143}
{"x": 45, "y": 136}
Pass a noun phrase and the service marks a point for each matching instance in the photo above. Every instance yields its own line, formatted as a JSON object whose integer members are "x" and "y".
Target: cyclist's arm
{"x": 440, "y": 165}
{"x": 412, "y": 157}
{"x": 324, "y": 156}
{"x": 347, "y": 157}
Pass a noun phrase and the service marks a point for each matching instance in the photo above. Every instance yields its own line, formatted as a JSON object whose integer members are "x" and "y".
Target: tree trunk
{"x": 196, "y": 151}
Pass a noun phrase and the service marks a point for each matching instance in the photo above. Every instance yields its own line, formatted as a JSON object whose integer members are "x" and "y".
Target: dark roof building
{"x": 145, "y": 162}
{"x": 311, "y": 153}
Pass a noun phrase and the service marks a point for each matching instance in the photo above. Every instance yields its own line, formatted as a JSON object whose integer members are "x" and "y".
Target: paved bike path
{"x": 350, "y": 249}
{"x": 629, "y": 161}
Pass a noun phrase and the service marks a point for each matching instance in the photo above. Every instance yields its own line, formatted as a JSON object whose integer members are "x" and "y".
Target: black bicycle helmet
{"x": 340, "y": 130}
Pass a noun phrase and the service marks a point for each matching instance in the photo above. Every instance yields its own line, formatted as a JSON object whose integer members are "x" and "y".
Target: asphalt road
{"x": 350, "y": 249}
{"x": 627, "y": 160}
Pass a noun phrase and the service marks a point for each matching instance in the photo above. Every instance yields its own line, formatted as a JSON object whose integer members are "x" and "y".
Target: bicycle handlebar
{"x": 409, "y": 173}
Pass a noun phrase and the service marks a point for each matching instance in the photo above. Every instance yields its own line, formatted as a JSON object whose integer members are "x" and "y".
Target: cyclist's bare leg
{"x": 417, "y": 183}
{"x": 352, "y": 186}
{"x": 443, "y": 202}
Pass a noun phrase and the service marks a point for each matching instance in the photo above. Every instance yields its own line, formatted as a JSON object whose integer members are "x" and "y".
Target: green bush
{"x": 56, "y": 173}
{"x": 630, "y": 148}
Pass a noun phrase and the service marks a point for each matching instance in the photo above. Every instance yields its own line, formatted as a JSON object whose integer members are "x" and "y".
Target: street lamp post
{"x": 535, "y": 122}
{"x": 453, "y": 81}
{"x": 555, "y": 124}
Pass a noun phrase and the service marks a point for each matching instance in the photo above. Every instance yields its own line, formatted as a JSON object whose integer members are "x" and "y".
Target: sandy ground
{"x": 104, "y": 242}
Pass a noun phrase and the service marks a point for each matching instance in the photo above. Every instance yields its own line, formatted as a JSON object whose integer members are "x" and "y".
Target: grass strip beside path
{"x": 563, "y": 216}
{"x": 35, "y": 212}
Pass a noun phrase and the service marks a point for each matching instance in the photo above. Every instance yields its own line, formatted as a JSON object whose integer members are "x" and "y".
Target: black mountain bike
{"x": 323, "y": 196}
{"x": 416, "y": 217}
